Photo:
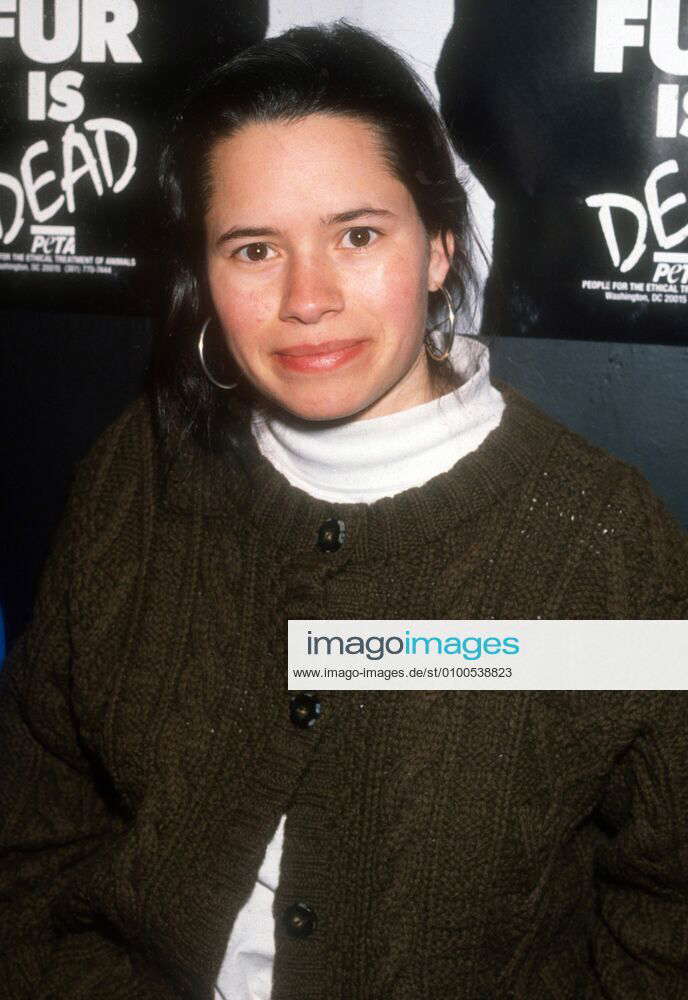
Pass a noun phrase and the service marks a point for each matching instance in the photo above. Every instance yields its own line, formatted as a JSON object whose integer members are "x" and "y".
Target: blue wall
{"x": 631, "y": 399}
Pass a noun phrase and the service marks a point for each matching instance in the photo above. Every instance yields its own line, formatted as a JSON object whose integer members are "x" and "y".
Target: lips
{"x": 312, "y": 350}
{"x": 326, "y": 356}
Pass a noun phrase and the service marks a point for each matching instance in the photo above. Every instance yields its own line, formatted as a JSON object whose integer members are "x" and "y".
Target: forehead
{"x": 314, "y": 161}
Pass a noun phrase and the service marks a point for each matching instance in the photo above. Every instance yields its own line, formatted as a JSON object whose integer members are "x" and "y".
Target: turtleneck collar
{"x": 360, "y": 461}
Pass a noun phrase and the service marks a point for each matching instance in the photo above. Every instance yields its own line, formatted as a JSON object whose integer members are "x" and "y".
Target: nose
{"x": 311, "y": 290}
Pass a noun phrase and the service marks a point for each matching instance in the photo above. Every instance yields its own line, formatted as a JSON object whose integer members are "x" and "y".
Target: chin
{"x": 323, "y": 409}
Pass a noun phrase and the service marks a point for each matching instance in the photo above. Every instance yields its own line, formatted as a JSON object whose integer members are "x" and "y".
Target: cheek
{"x": 403, "y": 272}
{"x": 242, "y": 312}
{"x": 401, "y": 295}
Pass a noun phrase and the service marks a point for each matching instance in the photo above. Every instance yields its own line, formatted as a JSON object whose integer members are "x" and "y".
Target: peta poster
{"x": 575, "y": 118}
{"x": 85, "y": 87}
{"x": 645, "y": 229}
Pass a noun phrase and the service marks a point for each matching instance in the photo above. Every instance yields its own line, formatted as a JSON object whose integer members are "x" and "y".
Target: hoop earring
{"x": 449, "y": 338}
{"x": 220, "y": 385}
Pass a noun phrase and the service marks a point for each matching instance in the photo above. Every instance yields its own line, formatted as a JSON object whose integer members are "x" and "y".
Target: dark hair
{"x": 331, "y": 69}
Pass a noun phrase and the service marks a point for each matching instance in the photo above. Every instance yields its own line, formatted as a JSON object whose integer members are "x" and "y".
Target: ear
{"x": 440, "y": 259}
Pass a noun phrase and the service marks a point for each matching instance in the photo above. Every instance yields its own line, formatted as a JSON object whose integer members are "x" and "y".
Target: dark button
{"x": 304, "y": 709}
{"x": 331, "y": 535}
{"x": 298, "y": 920}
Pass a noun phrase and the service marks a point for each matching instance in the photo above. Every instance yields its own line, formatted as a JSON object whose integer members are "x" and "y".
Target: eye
{"x": 253, "y": 253}
{"x": 361, "y": 237}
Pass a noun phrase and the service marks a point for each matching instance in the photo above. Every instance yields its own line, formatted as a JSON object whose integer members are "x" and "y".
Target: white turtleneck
{"x": 357, "y": 461}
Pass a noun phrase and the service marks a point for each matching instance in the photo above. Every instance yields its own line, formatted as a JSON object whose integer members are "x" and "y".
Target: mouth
{"x": 324, "y": 347}
{"x": 325, "y": 356}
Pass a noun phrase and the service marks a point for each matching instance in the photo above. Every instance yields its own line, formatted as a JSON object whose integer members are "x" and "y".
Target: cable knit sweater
{"x": 464, "y": 844}
{"x": 354, "y": 460}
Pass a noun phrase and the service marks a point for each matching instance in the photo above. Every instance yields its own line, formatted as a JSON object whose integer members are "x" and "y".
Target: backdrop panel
{"x": 84, "y": 87}
{"x": 575, "y": 118}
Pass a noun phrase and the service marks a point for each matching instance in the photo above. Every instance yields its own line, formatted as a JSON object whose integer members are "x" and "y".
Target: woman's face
{"x": 319, "y": 268}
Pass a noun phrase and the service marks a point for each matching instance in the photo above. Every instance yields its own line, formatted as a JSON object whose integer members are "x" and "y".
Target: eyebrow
{"x": 330, "y": 220}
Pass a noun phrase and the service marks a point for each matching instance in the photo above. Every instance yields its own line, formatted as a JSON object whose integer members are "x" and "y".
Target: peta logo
{"x": 53, "y": 239}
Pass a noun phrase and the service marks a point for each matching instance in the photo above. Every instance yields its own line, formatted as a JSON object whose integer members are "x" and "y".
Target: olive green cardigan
{"x": 451, "y": 844}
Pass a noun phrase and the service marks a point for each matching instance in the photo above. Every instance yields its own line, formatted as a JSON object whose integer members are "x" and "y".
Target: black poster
{"x": 85, "y": 86}
{"x": 574, "y": 116}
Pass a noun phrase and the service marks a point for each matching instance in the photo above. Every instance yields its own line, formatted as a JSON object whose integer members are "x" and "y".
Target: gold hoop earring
{"x": 220, "y": 385}
{"x": 449, "y": 338}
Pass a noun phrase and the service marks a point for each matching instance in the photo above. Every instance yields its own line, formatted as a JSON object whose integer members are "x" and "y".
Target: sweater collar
{"x": 288, "y": 519}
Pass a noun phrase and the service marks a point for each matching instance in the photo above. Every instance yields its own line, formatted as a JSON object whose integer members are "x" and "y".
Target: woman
{"x": 176, "y": 824}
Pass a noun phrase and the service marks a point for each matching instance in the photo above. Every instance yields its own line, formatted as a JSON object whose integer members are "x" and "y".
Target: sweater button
{"x": 304, "y": 709}
{"x": 298, "y": 920}
{"x": 331, "y": 535}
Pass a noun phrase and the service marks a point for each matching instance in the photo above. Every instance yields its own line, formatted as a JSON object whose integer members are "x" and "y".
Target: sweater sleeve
{"x": 55, "y": 812}
{"x": 639, "y": 943}
{"x": 639, "y": 947}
